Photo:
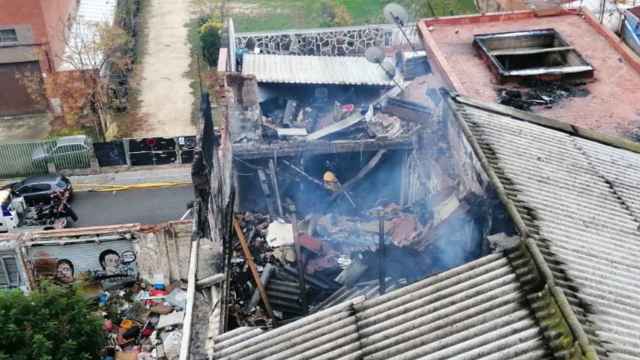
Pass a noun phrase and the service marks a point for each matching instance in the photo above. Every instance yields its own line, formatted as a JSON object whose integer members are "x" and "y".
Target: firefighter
{"x": 331, "y": 182}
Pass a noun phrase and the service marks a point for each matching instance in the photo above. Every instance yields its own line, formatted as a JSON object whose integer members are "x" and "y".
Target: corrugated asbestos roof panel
{"x": 329, "y": 70}
{"x": 476, "y": 311}
{"x": 580, "y": 200}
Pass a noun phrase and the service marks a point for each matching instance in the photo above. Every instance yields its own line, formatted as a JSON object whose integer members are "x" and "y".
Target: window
{"x": 8, "y": 36}
{"x": 533, "y": 53}
{"x": 40, "y": 187}
{"x": 9, "y": 273}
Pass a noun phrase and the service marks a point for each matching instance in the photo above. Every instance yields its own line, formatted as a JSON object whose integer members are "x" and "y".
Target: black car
{"x": 38, "y": 189}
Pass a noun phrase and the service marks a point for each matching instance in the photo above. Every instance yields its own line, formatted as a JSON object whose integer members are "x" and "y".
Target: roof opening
{"x": 536, "y": 53}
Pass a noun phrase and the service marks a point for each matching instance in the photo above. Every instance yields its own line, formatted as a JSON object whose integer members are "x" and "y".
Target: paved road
{"x": 152, "y": 206}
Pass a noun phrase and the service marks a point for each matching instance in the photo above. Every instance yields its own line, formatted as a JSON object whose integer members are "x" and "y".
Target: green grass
{"x": 266, "y": 15}
{"x": 269, "y": 15}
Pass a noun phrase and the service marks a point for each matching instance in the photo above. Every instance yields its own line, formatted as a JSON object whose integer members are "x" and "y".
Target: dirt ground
{"x": 165, "y": 95}
{"x": 24, "y": 127}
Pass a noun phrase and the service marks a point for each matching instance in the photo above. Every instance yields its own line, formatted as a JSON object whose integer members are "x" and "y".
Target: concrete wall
{"x": 88, "y": 260}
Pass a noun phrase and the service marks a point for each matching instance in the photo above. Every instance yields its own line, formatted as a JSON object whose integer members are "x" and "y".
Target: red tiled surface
{"x": 613, "y": 105}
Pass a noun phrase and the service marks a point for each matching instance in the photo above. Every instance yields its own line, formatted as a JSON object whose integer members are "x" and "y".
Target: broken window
{"x": 536, "y": 53}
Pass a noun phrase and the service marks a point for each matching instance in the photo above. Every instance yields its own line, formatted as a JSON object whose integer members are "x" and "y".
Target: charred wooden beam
{"x": 288, "y": 149}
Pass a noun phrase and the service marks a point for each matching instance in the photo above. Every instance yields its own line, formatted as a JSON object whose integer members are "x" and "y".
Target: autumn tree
{"x": 92, "y": 51}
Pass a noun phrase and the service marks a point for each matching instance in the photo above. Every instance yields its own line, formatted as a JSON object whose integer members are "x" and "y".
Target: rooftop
{"x": 616, "y": 80}
{"x": 335, "y": 70}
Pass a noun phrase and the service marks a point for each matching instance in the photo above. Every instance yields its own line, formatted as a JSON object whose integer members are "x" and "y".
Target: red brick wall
{"x": 47, "y": 19}
{"x": 56, "y": 13}
{"x": 20, "y": 12}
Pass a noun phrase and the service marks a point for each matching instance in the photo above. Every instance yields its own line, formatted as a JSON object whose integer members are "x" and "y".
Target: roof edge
{"x": 547, "y": 280}
{"x": 593, "y": 135}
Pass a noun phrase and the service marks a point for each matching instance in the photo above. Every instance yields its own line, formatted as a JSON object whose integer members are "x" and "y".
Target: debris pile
{"x": 540, "y": 93}
{"x": 322, "y": 114}
{"x": 143, "y": 322}
{"x": 390, "y": 242}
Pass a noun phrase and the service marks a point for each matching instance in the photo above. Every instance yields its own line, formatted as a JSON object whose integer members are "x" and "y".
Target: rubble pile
{"x": 322, "y": 115}
{"x": 540, "y": 93}
{"x": 334, "y": 251}
{"x": 143, "y": 322}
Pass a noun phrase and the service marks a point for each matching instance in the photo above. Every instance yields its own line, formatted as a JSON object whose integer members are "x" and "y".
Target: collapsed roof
{"x": 566, "y": 290}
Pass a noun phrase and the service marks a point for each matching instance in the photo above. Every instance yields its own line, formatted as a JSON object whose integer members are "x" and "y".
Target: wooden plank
{"x": 336, "y": 127}
{"x": 252, "y": 267}
{"x": 274, "y": 182}
{"x": 191, "y": 293}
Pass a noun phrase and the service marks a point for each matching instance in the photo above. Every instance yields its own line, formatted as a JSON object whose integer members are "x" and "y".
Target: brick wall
{"x": 47, "y": 20}
{"x": 57, "y": 13}
{"x": 20, "y": 12}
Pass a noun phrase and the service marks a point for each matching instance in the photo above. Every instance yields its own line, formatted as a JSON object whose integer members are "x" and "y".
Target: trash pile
{"x": 143, "y": 322}
{"x": 540, "y": 93}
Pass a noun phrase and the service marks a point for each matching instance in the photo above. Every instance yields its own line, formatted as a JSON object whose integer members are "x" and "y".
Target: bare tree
{"x": 92, "y": 51}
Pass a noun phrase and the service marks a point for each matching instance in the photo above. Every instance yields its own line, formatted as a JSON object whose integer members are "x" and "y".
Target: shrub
{"x": 210, "y": 39}
{"x": 335, "y": 14}
{"x": 50, "y": 323}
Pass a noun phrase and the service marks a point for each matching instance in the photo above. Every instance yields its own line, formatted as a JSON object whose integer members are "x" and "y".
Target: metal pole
{"x": 381, "y": 270}
{"x": 392, "y": 77}
{"x": 400, "y": 25}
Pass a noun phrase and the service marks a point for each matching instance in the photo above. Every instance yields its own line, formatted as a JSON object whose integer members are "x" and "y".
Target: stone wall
{"x": 347, "y": 41}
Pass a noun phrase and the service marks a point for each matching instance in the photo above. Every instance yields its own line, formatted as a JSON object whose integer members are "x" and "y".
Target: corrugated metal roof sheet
{"x": 333, "y": 70}
{"x": 580, "y": 200}
{"x": 476, "y": 311}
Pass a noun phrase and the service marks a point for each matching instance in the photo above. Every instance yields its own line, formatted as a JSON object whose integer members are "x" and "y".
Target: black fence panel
{"x": 141, "y": 158}
{"x": 110, "y": 153}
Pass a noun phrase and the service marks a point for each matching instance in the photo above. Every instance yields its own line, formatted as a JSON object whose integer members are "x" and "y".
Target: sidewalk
{"x": 147, "y": 177}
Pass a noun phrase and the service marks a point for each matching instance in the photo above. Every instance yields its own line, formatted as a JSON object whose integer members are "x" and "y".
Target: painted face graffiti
{"x": 65, "y": 271}
{"x": 110, "y": 262}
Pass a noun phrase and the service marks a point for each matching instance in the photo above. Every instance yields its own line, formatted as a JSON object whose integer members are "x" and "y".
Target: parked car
{"x": 38, "y": 189}
{"x": 65, "y": 152}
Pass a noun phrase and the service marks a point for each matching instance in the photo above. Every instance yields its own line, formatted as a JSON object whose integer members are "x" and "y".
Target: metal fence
{"x": 147, "y": 151}
{"x": 18, "y": 159}
{"x": 22, "y": 159}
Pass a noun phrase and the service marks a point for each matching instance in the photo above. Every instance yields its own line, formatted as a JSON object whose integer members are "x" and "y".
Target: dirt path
{"x": 166, "y": 99}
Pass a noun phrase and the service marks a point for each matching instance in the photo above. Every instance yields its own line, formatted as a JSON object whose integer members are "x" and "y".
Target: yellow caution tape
{"x": 142, "y": 186}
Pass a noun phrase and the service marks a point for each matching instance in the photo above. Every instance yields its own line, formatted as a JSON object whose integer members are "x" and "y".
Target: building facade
{"x": 31, "y": 45}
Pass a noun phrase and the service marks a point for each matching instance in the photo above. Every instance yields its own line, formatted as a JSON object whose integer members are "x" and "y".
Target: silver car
{"x": 65, "y": 152}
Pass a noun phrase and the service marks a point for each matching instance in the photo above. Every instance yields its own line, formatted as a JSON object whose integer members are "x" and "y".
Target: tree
{"x": 91, "y": 51}
{"x": 335, "y": 14}
{"x": 210, "y": 39}
{"x": 50, "y": 323}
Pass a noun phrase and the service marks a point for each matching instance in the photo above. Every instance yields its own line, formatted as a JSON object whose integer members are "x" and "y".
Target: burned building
{"x": 425, "y": 225}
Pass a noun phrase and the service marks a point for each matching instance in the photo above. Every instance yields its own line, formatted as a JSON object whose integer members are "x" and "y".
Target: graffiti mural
{"x": 107, "y": 264}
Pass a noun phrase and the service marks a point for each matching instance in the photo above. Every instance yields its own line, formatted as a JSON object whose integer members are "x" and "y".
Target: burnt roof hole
{"x": 515, "y": 56}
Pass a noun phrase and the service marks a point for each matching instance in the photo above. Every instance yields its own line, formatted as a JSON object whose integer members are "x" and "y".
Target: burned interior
{"x": 347, "y": 187}
{"x": 536, "y": 53}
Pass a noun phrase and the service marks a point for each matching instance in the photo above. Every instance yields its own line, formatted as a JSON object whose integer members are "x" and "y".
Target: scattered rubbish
{"x": 540, "y": 93}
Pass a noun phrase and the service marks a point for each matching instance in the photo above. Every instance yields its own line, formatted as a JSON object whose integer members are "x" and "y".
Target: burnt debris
{"x": 540, "y": 93}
